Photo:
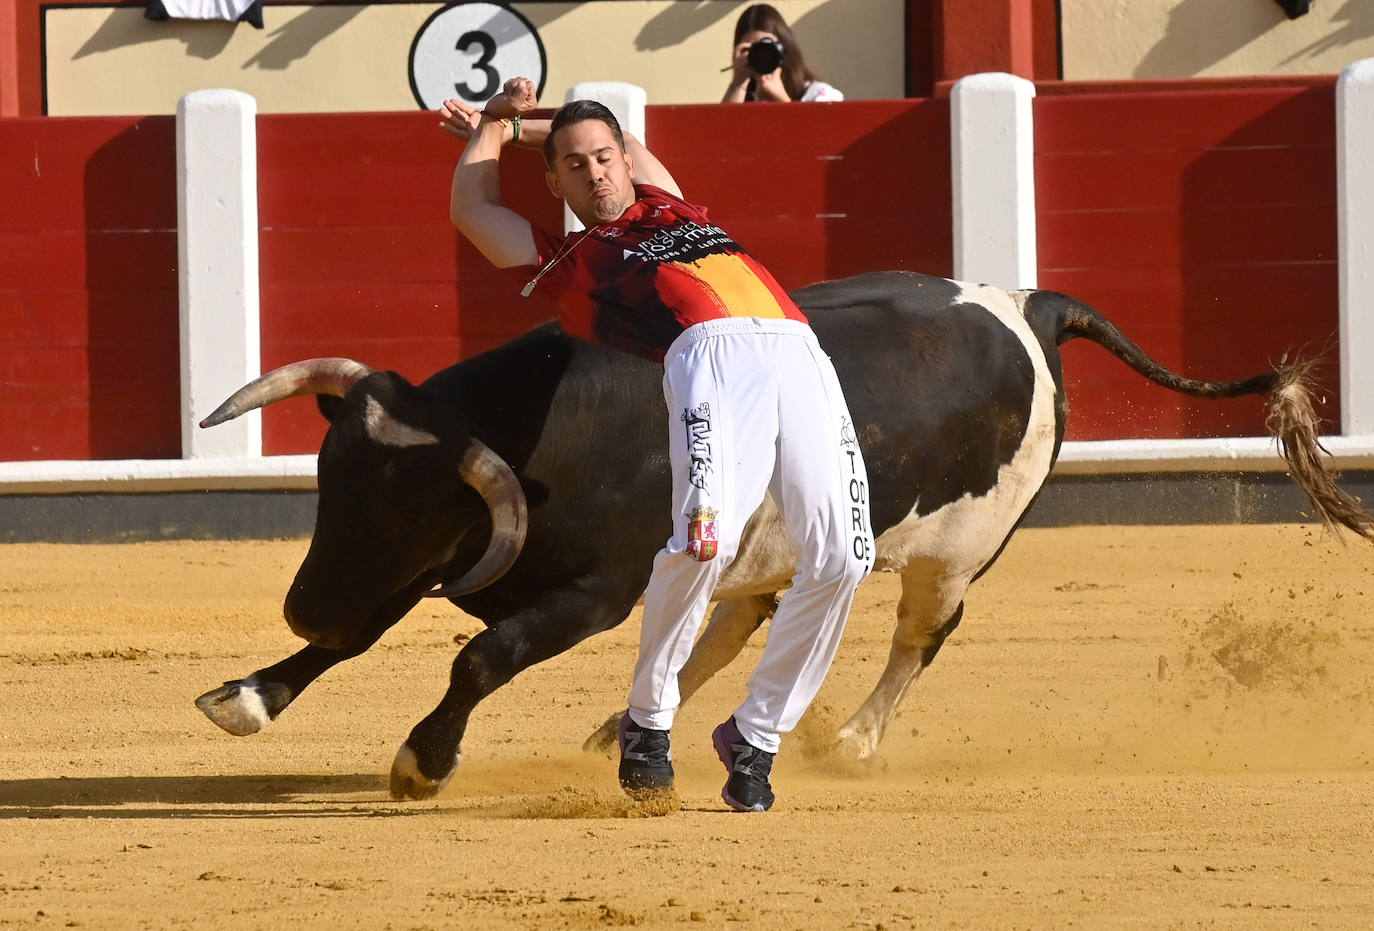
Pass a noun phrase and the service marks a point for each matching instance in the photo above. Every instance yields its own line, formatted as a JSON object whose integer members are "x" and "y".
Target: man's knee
{"x": 839, "y": 564}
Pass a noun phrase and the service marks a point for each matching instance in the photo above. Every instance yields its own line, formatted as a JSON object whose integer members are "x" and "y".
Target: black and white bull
{"x": 538, "y": 473}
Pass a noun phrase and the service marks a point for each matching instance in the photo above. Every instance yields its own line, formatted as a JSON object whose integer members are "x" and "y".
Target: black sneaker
{"x": 747, "y": 788}
{"x": 646, "y": 759}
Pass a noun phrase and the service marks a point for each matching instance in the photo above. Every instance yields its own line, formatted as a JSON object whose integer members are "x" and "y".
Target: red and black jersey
{"x": 635, "y": 284}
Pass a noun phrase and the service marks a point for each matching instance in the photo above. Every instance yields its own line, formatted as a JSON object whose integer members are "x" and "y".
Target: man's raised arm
{"x": 498, "y": 232}
{"x": 648, "y": 169}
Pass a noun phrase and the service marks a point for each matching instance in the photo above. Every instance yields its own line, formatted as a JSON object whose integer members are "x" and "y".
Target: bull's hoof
{"x": 606, "y": 737}
{"x": 856, "y": 745}
{"x": 408, "y": 782}
{"x": 243, "y": 707}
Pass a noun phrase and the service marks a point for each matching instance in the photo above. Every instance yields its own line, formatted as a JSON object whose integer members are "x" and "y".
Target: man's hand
{"x": 517, "y": 98}
{"x": 459, "y": 119}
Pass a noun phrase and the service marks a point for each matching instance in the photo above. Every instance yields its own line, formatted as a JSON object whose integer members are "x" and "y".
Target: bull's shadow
{"x": 296, "y": 795}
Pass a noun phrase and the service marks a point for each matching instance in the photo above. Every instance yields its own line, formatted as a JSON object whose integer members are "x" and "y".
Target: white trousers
{"x": 754, "y": 407}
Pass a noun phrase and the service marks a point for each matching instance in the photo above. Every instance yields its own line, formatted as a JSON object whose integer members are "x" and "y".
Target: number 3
{"x": 487, "y": 45}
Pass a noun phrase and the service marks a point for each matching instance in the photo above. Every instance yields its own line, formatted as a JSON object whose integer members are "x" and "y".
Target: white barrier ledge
{"x": 1240, "y": 454}
{"x": 107, "y": 476}
{"x": 1104, "y": 457}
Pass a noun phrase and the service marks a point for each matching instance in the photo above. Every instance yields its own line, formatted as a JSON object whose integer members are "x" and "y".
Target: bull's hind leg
{"x": 930, "y": 609}
{"x": 245, "y": 706}
{"x": 727, "y": 630}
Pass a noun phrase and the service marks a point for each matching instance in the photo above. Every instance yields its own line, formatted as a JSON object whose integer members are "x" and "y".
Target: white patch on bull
{"x": 765, "y": 561}
{"x": 964, "y": 534}
{"x": 960, "y": 537}
{"x": 383, "y": 428}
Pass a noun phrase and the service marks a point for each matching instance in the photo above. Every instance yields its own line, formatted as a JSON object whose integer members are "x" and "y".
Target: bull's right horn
{"x": 313, "y": 376}
{"x": 495, "y": 481}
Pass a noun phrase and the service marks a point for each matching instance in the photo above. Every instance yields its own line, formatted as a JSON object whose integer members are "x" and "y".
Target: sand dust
{"x": 1134, "y": 727}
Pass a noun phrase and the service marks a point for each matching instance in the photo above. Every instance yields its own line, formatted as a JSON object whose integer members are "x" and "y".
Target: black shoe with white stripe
{"x": 646, "y": 760}
{"x": 747, "y": 788}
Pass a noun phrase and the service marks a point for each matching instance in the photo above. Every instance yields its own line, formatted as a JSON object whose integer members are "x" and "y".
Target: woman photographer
{"x": 769, "y": 64}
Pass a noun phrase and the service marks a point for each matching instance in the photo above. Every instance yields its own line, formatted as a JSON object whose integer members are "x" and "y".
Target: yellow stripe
{"x": 738, "y": 290}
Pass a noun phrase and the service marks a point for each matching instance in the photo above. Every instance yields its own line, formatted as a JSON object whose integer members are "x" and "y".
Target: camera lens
{"x": 765, "y": 56}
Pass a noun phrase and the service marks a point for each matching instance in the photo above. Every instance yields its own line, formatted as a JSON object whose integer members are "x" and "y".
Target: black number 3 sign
{"x": 469, "y": 49}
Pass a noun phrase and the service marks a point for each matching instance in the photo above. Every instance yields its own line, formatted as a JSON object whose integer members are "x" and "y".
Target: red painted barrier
{"x": 88, "y": 289}
{"x": 1202, "y": 222}
{"x": 359, "y": 258}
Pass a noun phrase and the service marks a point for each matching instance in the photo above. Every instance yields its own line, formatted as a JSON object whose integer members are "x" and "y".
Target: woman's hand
{"x": 770, "y": 86}
{"x": 740, "y": 64}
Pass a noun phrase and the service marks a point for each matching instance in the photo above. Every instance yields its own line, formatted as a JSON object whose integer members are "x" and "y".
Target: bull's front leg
{"x": 429, "y": 757}
{"x": 245, "y": 706}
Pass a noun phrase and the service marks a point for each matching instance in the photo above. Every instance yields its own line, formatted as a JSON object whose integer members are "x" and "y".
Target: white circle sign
{"x": 469, "y": 50}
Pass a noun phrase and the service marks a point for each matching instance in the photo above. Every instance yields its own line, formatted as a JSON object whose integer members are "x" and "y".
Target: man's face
{"x": 591, "y": 172}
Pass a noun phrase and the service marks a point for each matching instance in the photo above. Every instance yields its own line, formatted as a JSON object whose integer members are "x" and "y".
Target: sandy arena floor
{"x": 1134, "y": 727}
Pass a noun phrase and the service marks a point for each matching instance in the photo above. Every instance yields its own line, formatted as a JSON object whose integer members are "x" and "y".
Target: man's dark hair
{"x": 575, "y": 111}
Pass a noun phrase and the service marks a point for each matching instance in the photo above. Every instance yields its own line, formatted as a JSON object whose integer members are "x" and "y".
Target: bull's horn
{"x": 500, "y": 489}
{"x": 313, "y": 376}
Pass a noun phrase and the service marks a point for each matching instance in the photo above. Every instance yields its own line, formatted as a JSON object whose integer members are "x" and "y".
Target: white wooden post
{"x": 626, "y": 101}
{"x": 217, "y": 250}
{"x": 992, "y": 151}
{"x": 1355, "y": 240}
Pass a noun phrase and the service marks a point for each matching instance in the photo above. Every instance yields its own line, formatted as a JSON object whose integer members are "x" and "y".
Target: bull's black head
{"x": 408, "y": 499}
{"x": 396, "y": 516}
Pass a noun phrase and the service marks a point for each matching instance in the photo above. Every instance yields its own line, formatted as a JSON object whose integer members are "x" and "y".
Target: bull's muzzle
{"x": 315, "y": 636}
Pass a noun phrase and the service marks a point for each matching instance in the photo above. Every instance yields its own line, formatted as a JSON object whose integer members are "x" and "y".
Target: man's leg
{"x": 821, "y": 487}
{"x": 722, "y": 407}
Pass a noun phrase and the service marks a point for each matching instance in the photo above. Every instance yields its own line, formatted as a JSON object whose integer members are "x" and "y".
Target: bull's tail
{"x": 1292, "y": 419}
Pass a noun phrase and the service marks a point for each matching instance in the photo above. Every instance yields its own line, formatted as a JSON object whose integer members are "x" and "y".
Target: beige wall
{"x": 1105, "y": 39}
{"x": 109, "y": 60}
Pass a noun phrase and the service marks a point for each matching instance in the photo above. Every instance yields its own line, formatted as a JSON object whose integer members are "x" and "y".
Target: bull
{"x": 528, "y": 485}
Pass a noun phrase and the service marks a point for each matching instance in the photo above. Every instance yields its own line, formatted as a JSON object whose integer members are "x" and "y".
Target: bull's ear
{"x": 328, "y": 405}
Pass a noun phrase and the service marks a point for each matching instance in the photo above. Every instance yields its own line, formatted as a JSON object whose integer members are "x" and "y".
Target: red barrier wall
{"x": 359, "y": 259}
{"x": 1203, "y": 223}
{"x": 88, "y": 289}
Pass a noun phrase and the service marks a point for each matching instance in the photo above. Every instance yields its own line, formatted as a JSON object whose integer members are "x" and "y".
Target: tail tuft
{"x": 1293, "y": 421}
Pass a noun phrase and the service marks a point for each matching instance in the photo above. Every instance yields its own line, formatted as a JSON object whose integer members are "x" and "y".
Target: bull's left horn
{"x": 313, "y": 376}
{"x": 500, "y": 489}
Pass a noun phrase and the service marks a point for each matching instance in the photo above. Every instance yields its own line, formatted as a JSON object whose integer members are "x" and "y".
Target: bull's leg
{"x": 727, "y": 630}
{"x": 244, "y": 706}
{"x": 929, "y": 611}
{"x": 429, "y": 757}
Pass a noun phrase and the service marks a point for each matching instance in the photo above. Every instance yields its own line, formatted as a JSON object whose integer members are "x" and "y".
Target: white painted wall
{"x": 1355, "y": 237}
{"x": 217, "y": 251}
{"x": 992, "y": 147}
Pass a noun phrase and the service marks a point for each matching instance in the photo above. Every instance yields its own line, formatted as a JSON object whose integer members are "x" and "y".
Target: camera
{"x": 765, "y": 56}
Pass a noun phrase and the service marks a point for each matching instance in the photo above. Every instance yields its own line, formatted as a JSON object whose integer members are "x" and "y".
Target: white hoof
{"x": 857, "y": 745}
{"x": 237, "y": 707}
{"x": 408, "y": 782}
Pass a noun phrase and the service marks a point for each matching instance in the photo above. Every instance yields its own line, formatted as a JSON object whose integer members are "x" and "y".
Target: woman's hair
{"x": 576, "y": 111}
{"x": 763, "y": 18}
